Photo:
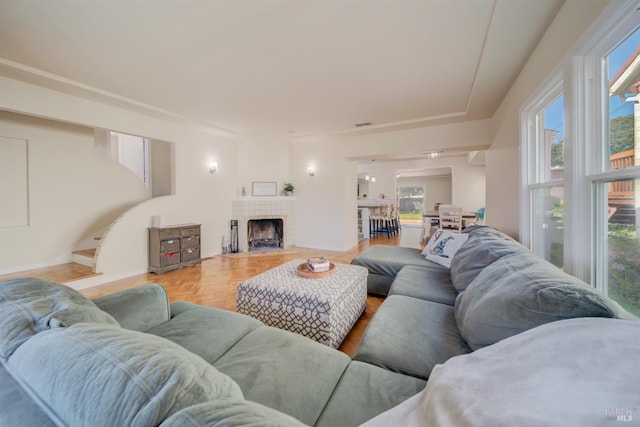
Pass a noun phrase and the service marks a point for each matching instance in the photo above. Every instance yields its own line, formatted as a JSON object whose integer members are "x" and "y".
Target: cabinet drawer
{"x": 190, "y": 231}
{"x": 190, "y": 254}
{"x": 172, "y": 258}
{"x": 190, "y": 242}
{"x": 171, "y": 245}
{"x": 167, "y": 233}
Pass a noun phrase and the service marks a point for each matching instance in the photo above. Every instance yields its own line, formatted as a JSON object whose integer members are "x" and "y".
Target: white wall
{"x": 71, "y": 192}
{"x": 161, "y": 154}
{"x": 503, "y": 158}
{"x": 200, "y": 197}
{"x": 327, "y": 202}
{"x": 467, "y": 181}
{"x": 14, "y": 202}
{"x": 262, "y": 160}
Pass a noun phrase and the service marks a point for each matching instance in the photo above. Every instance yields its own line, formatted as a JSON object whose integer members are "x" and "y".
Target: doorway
{"x": 411, "y": 205}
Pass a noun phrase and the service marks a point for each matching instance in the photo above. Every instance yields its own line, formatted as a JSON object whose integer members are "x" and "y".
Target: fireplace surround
{"x": 245, "y": 209}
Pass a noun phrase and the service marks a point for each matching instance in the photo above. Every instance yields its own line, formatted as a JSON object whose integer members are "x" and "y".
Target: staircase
{"x": 85, "y": 257}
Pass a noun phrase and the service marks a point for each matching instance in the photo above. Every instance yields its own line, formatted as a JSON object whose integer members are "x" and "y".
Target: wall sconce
{"x": 311, "y": 171}
{"x": 373, "y": 179}
{"x": 213, "y": 167}
{"x": 366, "y": 177}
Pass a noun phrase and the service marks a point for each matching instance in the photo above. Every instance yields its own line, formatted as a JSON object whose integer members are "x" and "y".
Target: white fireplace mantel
{"x": 263, "y": 198}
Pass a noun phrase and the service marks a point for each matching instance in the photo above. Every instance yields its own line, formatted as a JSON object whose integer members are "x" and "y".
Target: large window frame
{"x": 537, "y": 168}
{"x": 582, "y": 78}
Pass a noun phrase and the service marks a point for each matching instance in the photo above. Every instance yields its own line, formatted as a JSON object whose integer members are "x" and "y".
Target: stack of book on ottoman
{"x": 319, "y": 265}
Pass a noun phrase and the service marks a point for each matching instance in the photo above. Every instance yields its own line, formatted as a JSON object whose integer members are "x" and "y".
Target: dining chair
{"x": 480, "y": 216}
{"x": 451, "y": 218}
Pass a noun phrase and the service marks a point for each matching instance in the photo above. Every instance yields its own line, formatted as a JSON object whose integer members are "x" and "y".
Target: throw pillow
{"x": 30, "y": 306}
{"x": 101, "y": 375}
{"x": 443, "y": 245}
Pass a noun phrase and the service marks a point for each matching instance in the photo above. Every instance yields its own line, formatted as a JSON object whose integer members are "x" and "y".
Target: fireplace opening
{"x": 265, "y": 234}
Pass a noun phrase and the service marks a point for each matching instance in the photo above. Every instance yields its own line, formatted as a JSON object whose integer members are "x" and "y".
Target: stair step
{"x": 85, "y": 257}
{"x": 90, "y": 253}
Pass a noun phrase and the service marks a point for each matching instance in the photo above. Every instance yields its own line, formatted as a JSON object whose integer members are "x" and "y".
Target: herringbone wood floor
{"x": 213, "y": 283}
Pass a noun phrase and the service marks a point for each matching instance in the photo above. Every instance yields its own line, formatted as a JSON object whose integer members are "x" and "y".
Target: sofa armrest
{"x": 139, "y": 308}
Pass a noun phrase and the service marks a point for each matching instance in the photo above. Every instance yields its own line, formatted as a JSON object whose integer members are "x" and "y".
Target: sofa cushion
{"x": 138, "y": 308}
{"x": 577, "y": 372}
{"x": 363, "y": 392}
{"x": 389, "y": 260}
{"x": 431, "y": 284}
{"x": 206, "y": 331}
{"x": 100, "y": 375}
{"x": 18, "y": 409}
{"x": 230, "y": 413}
{"x": 443, "y": 245}
{"x": 519, "y": 292}
{"x": 411, "y": 336}
{"x": 384, "y": 262}
{"x": 285, "y": 371}
{"x": 484, "y": 246}
{"x": 30, "y": 306}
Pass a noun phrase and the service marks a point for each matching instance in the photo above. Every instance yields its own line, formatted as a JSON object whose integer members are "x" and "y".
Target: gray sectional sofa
{"x": 495, "y": 288}
{"x": 131, "y": 359}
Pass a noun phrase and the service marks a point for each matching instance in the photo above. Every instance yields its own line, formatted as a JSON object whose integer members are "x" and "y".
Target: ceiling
{"x": 283, "y": 68}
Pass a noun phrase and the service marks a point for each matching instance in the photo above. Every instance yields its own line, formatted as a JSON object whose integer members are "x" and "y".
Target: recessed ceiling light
{"x": 432, "y": 154}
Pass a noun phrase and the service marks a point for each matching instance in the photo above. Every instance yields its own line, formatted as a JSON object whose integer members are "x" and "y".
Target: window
{"x": 545, "y": 178}
{"x": 581, "y": 188}
{"x": 614, "y": 186}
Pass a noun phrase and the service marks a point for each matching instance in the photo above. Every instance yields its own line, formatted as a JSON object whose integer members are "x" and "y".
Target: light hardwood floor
{"x": 213, "y": 283}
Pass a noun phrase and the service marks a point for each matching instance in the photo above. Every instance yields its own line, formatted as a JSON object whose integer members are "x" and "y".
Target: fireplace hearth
{"x": 265, "y": 234}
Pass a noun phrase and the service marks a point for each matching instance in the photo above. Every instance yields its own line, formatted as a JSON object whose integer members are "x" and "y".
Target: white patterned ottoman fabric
{"x": 324, "y": 309}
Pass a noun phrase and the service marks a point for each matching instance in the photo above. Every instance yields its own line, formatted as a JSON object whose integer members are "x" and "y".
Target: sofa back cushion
{"x": 519, "y": 292}
{"x": 100, "y": 375}
{"x": 29, "y": 306}
{"x": 139, "y": 308}
{"x": 484, "y": 246}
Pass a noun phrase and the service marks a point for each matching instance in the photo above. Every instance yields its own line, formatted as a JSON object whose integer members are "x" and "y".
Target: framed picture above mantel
{"x": 261, "y": 188}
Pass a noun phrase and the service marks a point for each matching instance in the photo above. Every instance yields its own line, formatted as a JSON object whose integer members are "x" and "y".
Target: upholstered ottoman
{"x": 323, "y": 309}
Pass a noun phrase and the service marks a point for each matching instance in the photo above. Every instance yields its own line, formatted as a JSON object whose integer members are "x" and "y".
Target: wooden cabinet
{"x": 173, "y": 247}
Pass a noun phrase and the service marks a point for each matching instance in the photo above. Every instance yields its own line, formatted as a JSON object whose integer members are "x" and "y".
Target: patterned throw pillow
{"x": 443, "y": 245}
